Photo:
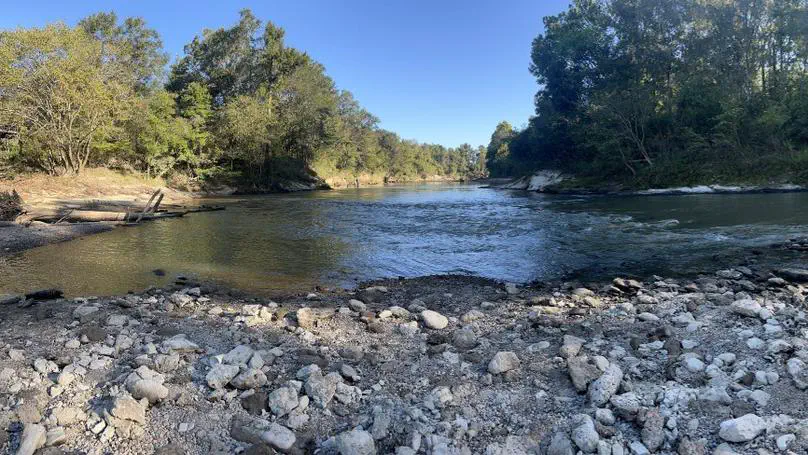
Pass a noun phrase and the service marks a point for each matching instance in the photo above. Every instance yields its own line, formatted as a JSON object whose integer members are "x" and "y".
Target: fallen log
{"x": 96, "y": 216}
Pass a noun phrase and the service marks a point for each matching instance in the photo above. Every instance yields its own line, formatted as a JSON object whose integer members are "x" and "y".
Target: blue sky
{"x": 442, "y": 71}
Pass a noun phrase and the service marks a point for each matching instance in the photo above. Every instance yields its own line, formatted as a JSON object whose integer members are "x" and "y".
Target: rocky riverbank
{"x": 435, "y": 365}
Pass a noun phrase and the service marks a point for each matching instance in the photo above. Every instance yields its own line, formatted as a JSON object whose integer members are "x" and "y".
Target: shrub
{"x": 10, "y": 205}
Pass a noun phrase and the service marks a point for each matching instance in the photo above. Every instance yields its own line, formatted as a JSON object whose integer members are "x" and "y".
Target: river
{"x": 264, "y": 244}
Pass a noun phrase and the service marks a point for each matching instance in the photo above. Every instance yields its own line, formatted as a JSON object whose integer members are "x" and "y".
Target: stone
{"x": 68, "y": 415}
{"x": 571, "y": 346}
{"x": 560, "y": 444}
{"x": 279, "y": 437}
{"x": 694, "y": 364}
{"x": 653, "y": 432}
{"x": 149, "y": 389}
{"x": 798, "y": 370}
{"x": 605, "y": 416}
{"x": 283, "y": 400}
{"x": 249, "y": 379}
{"x": 179, "y": 343}
{"x": 321, "y": 389}
{"x": 220, "y": 375}
{"x": 54, "y": 437}
{"x": 582, "y": 371}
{"x": 239, "y": 355}
{"x": 638, "y": 448}
{"x": 128, "y": 409}
{"x": 464, "y": 339}
{"x": 305, "y": 318}
{"x": 33, "y": 437}
{"x": 602, "y": 389}
{"x": 689, "y": 447}
{"x": 355, "y": 442}
{"x": 784, "y": 441}
{"x": 434, "y": 320}
{"x": 746, "y": 307}
{"x": 742, "y": 429}
{"x": 503, "y": 361}
{"x": 357, "y": 305}
{"x": 584, "y": 434}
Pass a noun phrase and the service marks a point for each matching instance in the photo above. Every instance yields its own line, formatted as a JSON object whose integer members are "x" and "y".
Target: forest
{"x": 645, "y": 93}
{"x": 240, "y": 107}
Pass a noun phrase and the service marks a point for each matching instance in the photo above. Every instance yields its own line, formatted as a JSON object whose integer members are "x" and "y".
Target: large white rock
{"x": 742, "y": 429}
{"x": 746, "y": 307}
{"x": 434, "y": 320}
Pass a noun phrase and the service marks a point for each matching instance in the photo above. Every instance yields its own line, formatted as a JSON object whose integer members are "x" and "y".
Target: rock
{"x": 55, "y": 436}
{"x": 149, "y": 389}
{"x": 283, "y": 400}
{"x": 638, "y": 448}
{"x": 279, "y": 437}
{"x": 653, "y": 433}
{"x": 742, "y": 429}
{"x": 560, "y": 444}
{"x": 690, "y": 447}
{"x": 434, "y": 320}
{"x": 694, "y": 365}
{"x": 220, "y": 375}
{"x": 249, "y": 379}
{"x": 746, "y": 307}
{"x": 179, "y": 343}
{"x": 128, "y": 409}
{"x": 357, "y": 305}
{"x": 17, "y": 355}
{"x": 305, "y": 318}
{"x": 33, "y": 437}
{"x": 584, "y": 434}
{"x": 605, "y": 416}
{"x": 464, "y": 339}
{"x": 145, "y": 383}
{"x": 784, "y": 441}
{"x": 798, "y": 371}
{"x": 793, "y": 274}
{"x": 582, "y": 371}
{"x": 239, "y": 355}
{"x": 83, "y": 312}
{"x": 68, "y": 415}
{"x": 321, "y": 388}
{"x": 503, "y": 361}
{"x": 602, "y": 389}
{"x": 724, "y": 449}
{"x": 571, "y": 346}
{"x": 355, "y": 442}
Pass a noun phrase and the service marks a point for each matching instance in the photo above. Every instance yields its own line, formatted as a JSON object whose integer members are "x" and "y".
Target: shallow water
{"x": 294, "y": 242}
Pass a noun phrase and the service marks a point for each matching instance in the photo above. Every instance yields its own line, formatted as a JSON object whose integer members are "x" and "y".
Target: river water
{"x": 264, "y": 244}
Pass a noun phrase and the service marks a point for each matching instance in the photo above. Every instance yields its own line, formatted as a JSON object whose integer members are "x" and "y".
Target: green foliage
{"x": 240, "y": 107}
{"x": 643, "y": 92}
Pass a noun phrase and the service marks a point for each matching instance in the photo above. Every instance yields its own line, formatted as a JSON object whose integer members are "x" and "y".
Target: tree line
{"x": 240, "y": 106}
{"x": 648, "y": 92}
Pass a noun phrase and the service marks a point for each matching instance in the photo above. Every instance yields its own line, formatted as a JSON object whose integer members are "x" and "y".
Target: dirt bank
{"x": 435, "y": 365}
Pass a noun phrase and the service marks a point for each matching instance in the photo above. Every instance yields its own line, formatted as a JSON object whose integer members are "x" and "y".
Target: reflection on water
{"x": 282, "y": 242}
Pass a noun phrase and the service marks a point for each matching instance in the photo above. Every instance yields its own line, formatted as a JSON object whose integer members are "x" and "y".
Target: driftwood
{"x": 96, "y": 215}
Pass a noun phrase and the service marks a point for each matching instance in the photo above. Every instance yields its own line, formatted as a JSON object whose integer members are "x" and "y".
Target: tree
{"x": 60, "y": 91}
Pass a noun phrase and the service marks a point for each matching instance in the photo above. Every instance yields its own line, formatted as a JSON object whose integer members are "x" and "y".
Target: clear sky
{"x": 442, "y": 71}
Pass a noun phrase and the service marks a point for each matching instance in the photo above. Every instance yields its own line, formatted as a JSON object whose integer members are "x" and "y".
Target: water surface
{"x": 294, "y": 242}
